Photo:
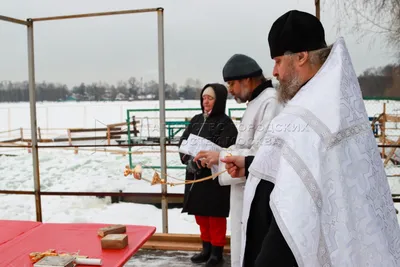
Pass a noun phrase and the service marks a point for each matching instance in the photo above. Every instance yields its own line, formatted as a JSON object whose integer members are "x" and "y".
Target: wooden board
{"x": 183, "y": 242}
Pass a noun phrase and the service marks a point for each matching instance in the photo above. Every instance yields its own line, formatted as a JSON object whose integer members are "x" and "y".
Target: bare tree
{"x": 372, "y": 17}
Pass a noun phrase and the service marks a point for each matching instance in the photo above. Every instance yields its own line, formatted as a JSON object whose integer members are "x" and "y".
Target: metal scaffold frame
{"x": 29, "y": 23}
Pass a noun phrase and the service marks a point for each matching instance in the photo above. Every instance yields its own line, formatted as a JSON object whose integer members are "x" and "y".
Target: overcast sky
{"x": 200, "y": 36}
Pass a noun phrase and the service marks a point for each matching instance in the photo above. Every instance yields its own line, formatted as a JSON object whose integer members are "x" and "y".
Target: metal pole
{"x": 32, "y": 104}
{"x": 317, "y": 9}
{"x": 13, "y": 20}
{"x": 161, "y": 97}
{"x": 98, "y": 14}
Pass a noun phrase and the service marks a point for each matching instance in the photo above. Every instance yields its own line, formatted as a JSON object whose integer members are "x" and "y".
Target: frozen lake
{"x": 90, "y": 170}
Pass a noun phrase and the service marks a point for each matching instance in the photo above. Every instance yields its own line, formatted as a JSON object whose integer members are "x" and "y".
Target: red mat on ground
{"x": 10, "y": 229}
{"x": 72, "y": 238}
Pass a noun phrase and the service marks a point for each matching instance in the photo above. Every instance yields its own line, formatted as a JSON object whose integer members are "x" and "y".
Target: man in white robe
{"x": 331, "y": 200}
{"x": 246, "y": 83}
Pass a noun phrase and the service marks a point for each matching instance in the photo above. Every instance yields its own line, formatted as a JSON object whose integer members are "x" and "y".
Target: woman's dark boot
{"x": 203, "y": 255}
{"x": 216, "y": 258}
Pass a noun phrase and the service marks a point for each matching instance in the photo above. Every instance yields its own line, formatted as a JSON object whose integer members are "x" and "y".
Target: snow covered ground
{"x": 62, "y": 170}
{"x": 155, "y": 258}
{"x": 86, "y": 171}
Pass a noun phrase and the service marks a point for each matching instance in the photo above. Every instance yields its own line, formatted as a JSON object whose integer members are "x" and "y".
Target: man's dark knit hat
{"x": 296, "y": 31}
{"x": 239, "y": 67}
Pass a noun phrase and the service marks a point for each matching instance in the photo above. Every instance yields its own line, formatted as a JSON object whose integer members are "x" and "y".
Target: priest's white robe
{"x": 331, "y": 199}
{"x": 252, "y": 128}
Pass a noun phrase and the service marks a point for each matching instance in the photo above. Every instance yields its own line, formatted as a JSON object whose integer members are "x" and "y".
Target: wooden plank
{"x": 184, "y": 242}
{"x": 89, "y": 138}
{"x": 391, "y": 153}
{"x": 9, "y": 145}
{"x": 45, "y": 140}
{"x": 121, "y": 124}
{"x": 11, "y": 140}
{"x": 81, "y": 130}
{"x": 153, "y": 199}
{"x": 85, "y": 138}
{"x": 182, "y": 246}
{"x": 392, "y": 118}
{"x": 123, "y": 132}
{"x": 176, "y": 237}
{"x": 187, "y": 238}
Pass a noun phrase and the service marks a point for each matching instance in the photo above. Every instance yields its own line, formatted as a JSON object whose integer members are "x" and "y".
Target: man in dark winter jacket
{"x": 207, "y": 200}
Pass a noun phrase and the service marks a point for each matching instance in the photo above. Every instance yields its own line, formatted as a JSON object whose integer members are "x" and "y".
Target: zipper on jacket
{"x": 204, "y": 122}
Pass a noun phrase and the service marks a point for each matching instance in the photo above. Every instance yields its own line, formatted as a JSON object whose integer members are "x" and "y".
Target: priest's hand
{"x": 207, "y": 158}
{"x": 235, "y": 165}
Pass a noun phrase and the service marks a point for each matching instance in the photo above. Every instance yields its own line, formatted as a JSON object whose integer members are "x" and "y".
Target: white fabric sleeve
{"x": 225, "y": 178}
{"x": 267, "y": 112}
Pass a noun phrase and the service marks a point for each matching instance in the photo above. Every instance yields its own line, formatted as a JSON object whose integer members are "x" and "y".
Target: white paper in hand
{"x": 194, "y": 144}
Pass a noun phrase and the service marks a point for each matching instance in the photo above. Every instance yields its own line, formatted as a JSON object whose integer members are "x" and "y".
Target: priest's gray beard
{"x": 289, "y": 85}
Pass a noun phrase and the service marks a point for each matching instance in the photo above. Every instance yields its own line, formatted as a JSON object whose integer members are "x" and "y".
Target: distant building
{"x": 107, "y": 95}
{"x": 147, "y": 97}
{"x": 120, "y": 97}
{"x": 68, "y": 99}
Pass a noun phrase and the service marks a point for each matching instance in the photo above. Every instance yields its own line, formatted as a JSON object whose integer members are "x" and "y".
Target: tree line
{"x": 381, "y": 82}
{"x": 374, "y": 82}
{"x": 132, "y": 89}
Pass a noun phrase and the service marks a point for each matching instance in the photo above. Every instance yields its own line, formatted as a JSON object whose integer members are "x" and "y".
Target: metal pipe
{"x": 14, "y": 147}
{"x": 32, "y": 104}
{"x": 317, "y": 9}
{"x": 116, "y": 145}
{"x": 13, "y": 20}
{"x": 16, "y": 192}
{"x": 161, "y": 97}
{"x": 103, "y": 194}
{"x": 98, "y": 14}
{"x": 114, "y": 194}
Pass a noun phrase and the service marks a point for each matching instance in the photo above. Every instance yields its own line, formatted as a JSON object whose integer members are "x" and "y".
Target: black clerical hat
{"x": 296, "y": 31}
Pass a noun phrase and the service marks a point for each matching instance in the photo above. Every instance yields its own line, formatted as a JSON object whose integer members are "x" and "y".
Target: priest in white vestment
{"x": 331, "y": 199}
{"x": 247, "y": 84}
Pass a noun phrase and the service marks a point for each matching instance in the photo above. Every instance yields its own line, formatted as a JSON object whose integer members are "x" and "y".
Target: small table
{"x": 11, "y": 229}
{"x": 71, "y": 238}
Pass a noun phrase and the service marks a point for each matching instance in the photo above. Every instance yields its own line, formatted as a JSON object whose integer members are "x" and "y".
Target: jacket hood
{"x": 221, "y": 94}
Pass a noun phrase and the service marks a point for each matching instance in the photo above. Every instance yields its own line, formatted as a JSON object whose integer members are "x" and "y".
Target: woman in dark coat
{"x": 207, "y": 200}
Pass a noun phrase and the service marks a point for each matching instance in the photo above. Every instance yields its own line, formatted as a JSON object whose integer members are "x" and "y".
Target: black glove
{"x": 192, "y": 166}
